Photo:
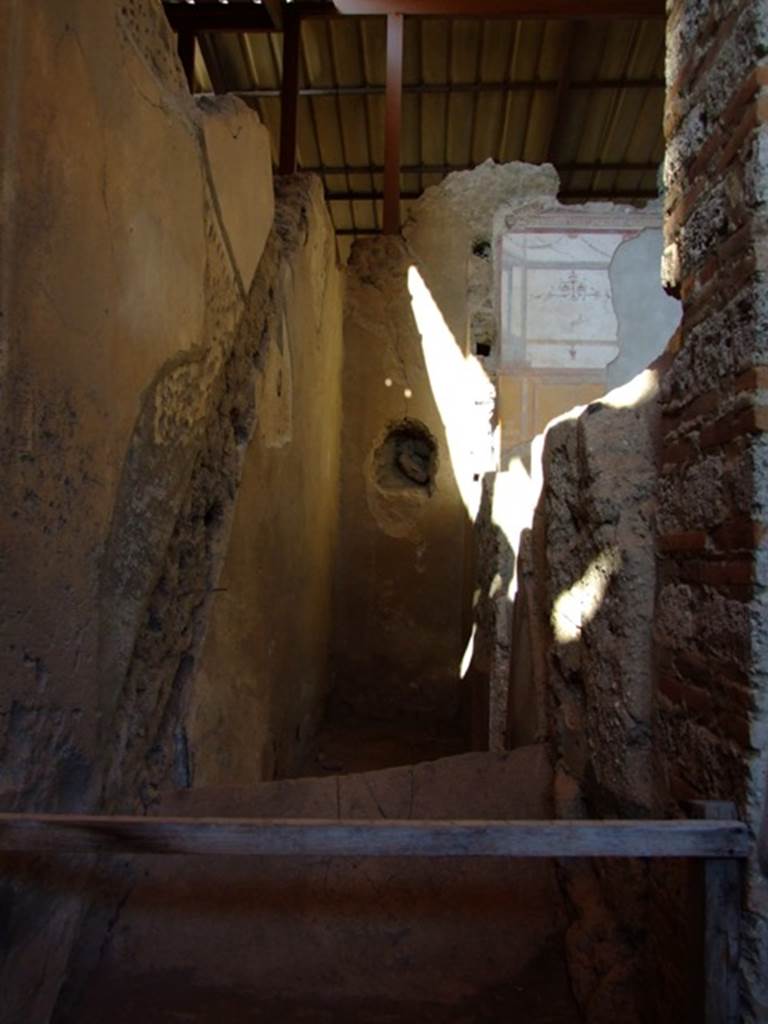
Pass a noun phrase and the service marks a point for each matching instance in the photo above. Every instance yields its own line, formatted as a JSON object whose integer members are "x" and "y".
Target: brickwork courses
{"x": 711, "y": 643}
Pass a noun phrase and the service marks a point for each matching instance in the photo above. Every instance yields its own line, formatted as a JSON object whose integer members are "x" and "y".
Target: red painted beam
{"x": 392, "y": 126}
{"x": 289, "y": 93}
{"x": 509, "y": 8}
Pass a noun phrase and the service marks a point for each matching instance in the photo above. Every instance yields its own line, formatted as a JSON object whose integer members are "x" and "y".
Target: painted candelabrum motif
{"x": 556, "y": 306}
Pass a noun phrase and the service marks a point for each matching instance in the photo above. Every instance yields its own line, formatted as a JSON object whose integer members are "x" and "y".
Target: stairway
{"x": 337, "y": 940}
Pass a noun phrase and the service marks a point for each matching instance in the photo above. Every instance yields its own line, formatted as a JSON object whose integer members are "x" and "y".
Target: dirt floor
{"x": 345, "y": 744}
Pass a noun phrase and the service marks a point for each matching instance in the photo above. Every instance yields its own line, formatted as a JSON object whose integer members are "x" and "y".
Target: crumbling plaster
{"x": 263, "y": 674}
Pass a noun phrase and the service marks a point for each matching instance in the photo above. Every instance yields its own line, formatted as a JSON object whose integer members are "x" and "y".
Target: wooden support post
{"x": 185, "y": 45}
{"x": 275, "y": 11}
{"x": 393, "y": 117}
{"x": 289, "y": 94}
{"x": 563, "y": 87}
{"x": 722, "y": 919}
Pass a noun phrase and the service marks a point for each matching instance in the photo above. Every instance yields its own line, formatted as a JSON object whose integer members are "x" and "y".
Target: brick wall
{"x": 711, "y": 636}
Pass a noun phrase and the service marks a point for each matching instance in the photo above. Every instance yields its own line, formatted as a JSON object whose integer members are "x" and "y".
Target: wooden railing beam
{"x": 379, "y": 838}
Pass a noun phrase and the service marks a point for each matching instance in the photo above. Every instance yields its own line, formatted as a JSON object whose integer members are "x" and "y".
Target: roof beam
{"x": 522, "y": 85}
{"x": 371, "y": 195}
{"x": 265, "y": 16}
{"x": 636, "y": 167}
{"x": 216, "y": 17}
{"x": 392, "y": 124}
{"x": 212, "y": 16}
{"x": 509, "y": 8}
{"x": 563, "y": 88}
{"x": 289, "y": 95}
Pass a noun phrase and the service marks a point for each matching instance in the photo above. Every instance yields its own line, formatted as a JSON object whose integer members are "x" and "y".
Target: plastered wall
{"x": 417, "y": 436}
{"x": 170, "y": 359}
{"x": 263, "y": 677}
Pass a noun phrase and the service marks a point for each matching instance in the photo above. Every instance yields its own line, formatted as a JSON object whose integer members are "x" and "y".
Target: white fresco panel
{"x": 572, "y": 305}
{"x": 584, "y": 356}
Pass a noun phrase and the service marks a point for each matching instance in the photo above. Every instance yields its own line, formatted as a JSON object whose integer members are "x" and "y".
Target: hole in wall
{"x": 407, "y": 458}
{"x": 482, "y": 348}
{"x": 481, "y": 247}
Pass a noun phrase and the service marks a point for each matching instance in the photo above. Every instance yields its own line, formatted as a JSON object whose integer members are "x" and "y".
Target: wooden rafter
{"x": 563, "y": 88}
{"x": 581, "y": 165}
{"x": 351, "y": 196}
{"x": 438, "y": 88}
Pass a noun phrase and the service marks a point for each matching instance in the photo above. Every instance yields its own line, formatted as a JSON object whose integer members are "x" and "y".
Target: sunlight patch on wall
{"x": 469, "y": 653}
{"x": 464, "y": 395}
{"x": 578, "y": 605}
{"x": 635, "y": 392}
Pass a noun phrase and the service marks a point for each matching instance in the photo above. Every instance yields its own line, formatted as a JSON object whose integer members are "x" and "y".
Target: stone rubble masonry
{"x": 581, "y": 673}
{"x": 711, "y": 632}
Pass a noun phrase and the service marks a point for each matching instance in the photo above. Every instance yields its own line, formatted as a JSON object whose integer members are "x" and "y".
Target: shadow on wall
{"x": 582, "y": 311}
{"x": 565, "y": 593}
{"x": 416, "y": 307}
{"x": 583, "y": 588}
{"x": 416, "y": 436}
{"x": 415, "y": 633}
{"x": 583, "y": 581}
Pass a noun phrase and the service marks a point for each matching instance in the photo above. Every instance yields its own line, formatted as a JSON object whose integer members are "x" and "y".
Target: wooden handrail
{"x": 380, "y": 838}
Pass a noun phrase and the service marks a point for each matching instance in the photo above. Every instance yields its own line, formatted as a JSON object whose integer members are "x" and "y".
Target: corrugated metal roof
{"x": 587, "y": 96}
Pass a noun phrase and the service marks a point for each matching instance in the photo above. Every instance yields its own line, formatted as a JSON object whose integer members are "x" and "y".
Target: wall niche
{"x": 406, "y": 460}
